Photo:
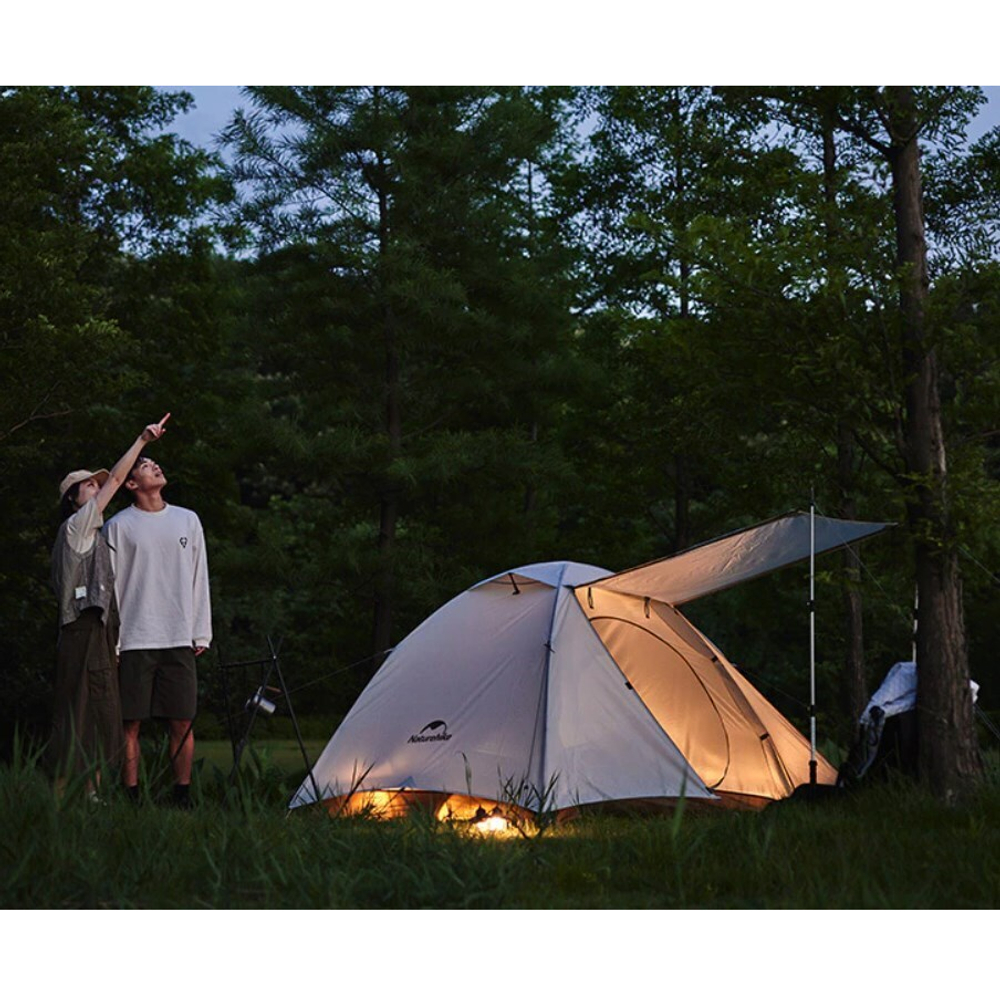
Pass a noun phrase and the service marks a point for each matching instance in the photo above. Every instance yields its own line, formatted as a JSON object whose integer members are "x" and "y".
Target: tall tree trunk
{"x": 682, "y": 462}
{"x": 388, "y": 504}
{"x": 855, "y": 681}
{"x": 530, "y": 491}
{"x": 949, "y": 758}
{"x": 389, "y": 496}
{"x": 682, "y": 503}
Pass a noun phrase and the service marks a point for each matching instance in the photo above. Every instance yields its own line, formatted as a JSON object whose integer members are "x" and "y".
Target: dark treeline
{"x": 413, "y": 337}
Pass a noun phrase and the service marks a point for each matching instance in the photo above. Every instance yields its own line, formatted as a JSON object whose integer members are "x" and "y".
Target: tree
{"x": 891, "y": 122}
{"x": 411, "y": 314}
{"x": 656, "y": 162}
{"x": 840, "y": 247}
{"x": 93, "y": 186}
{"x": 792, "y": 285}
{"x": 949, "y": 755}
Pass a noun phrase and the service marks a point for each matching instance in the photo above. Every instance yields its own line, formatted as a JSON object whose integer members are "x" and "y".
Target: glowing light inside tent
{"x": 377, "y": 804}
{"x": 492, "y": 824}
{"x": 481, "y": 815}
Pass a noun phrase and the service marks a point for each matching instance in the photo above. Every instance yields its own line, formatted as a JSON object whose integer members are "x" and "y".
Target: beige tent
{"x": 558, "y": 686}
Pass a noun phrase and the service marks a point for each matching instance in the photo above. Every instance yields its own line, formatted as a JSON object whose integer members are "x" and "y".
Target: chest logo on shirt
{"x": 184, "y": 541}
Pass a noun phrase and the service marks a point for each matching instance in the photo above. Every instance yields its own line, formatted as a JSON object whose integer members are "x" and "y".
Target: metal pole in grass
{"x": 812, "y": 638}
{"x": 258, "y": 702}
{"x": 224, "y": 681}
{"x": 255, "y": 704}
{"x": 295, "y": 722}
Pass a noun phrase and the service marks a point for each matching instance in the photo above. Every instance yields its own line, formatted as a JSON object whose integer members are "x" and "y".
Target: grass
{"x": 284, "y": 755}
{"x": 887, "y": 847}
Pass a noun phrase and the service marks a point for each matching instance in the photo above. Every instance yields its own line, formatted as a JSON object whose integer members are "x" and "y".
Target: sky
{"x": 214, "y": 105}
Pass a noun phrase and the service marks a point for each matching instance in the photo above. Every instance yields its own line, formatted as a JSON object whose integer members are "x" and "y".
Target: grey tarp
{"x": 738, "y": 557}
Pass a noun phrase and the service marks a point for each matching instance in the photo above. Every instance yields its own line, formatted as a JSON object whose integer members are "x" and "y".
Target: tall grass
{"x": 889, "y": 846}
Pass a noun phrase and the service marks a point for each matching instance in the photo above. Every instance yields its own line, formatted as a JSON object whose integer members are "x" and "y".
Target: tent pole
{"x": 812, "y": 639}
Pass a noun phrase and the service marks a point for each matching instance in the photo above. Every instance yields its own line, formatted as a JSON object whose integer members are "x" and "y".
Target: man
{"x": 161, "y": 579}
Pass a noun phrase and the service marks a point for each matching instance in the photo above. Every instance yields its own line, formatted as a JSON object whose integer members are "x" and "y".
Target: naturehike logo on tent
{"x": 436, "y": 730}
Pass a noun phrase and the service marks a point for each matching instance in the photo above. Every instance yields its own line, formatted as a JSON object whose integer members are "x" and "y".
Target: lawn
{"x": 284, "y": 755}
{"x": 886, "y": 847}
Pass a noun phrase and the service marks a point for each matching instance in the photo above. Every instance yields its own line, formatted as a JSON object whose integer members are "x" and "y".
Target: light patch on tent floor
{"x": 483, "y": 815}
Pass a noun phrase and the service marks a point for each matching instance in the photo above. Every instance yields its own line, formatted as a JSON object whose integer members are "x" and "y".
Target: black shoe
{"x": 132, "y": 794}
{"x": 182, "y": 797}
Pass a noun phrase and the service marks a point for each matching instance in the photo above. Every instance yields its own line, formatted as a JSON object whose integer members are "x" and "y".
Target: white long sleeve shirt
{"x": 161, "y": 578}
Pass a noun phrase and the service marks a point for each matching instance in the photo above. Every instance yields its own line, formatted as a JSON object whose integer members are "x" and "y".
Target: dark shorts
{"x": 159, "y": 684}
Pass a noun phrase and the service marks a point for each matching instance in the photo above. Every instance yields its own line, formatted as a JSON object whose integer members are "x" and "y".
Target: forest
{"x": 413, "y": 337}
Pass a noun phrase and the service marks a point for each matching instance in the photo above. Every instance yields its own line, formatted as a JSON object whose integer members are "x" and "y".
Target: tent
{"x": 558, "y": 685}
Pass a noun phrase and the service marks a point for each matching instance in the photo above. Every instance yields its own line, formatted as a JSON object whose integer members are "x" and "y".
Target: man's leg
{"x": 181, "y": 749}
{"x": 182, "y": 755}
{"x": 130, "y": 767}
{"x": 135, "y": 679}
{"x": 176, "y": 697}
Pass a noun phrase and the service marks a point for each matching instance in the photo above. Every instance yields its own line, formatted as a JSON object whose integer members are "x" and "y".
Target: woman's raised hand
{"x": 155, "y": 429}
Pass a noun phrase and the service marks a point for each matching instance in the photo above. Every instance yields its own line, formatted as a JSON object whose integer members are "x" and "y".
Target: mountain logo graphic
{"x": 434, "y": 732}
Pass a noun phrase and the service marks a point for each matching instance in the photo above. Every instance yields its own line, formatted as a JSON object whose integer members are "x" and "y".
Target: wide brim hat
{"x": 79, "y": 476}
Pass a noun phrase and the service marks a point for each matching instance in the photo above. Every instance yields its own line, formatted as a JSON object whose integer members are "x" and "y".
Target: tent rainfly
{"x": 558, "y": 686}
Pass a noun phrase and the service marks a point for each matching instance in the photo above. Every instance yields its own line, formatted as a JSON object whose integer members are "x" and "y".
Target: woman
{"x": 87, "y": 721}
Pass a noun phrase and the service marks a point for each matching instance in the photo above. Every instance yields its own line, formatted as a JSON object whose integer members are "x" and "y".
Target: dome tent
{"x": 558, "y": 685}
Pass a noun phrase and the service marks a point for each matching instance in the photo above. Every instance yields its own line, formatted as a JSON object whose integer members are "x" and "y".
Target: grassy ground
{"x": 893, "y": 847}
{"x": 284, "y": 755}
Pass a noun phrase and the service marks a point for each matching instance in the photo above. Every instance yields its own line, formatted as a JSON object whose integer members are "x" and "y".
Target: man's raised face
{"x": 146, "y": 475}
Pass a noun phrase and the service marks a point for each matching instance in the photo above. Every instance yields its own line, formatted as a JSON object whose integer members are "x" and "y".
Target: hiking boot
{"x": 181, "y": 798}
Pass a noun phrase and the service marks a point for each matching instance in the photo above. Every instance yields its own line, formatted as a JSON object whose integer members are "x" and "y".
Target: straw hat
{"x": 78, "y": 476}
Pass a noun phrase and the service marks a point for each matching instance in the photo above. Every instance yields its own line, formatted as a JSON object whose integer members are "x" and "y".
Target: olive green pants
{"x": 87, "y": 715}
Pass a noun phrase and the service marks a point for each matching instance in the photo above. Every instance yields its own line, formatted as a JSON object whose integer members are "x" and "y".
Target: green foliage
{"x": 97, "y": 201}
{"x": 467, "y": 328}
{"x": 410, "y": 324}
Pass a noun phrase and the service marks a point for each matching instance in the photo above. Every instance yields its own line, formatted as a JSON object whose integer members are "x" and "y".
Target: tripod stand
{"x": 260, "y": 702}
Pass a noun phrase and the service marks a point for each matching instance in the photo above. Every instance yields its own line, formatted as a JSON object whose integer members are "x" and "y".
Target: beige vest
{"x": 81, "y": 580}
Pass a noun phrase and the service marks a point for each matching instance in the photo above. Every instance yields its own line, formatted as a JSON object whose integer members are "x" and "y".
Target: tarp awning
{"x": 738, "y": 557}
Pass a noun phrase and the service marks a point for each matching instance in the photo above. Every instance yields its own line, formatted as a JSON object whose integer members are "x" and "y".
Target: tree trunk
{"x": 682, "y": 503}
{"x": 389, "y": 496}
{"x": 855, "y": 680}
{"x": 949, "y": 758}
{"x": 682, "y": 463}
{"x": 388, "y": 507}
